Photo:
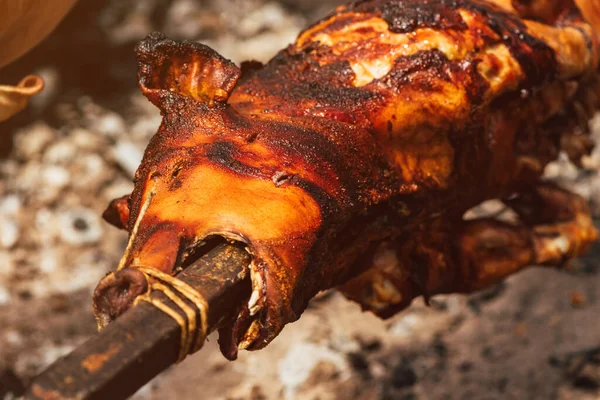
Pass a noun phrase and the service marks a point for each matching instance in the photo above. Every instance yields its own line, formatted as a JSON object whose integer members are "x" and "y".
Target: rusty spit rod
{"x": 144, "y": 341}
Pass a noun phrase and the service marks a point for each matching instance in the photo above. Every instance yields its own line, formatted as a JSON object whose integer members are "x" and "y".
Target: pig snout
{"x": 116, "y": 293}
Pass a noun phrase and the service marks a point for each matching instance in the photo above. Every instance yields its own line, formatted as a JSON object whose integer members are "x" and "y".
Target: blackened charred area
{"x": 316, "y": 149}
{"x": 345, "y": 99}
{"x": 318, "y": 99}
{"x": 536, "y": 58}
{"x": 181, "y": 123}
{"x": 164, "y": 160}
{"x": 328, "y": 204}
{"x": 182, "y": 118}
{"x": 430, "y": 62}
{"x": 329, "y": 68}
{"x": 298, "y": 79}
{"x": 404, "y": 16}
{"x": 342, "y": 154}
{"x": 313, "y": 82}
{"x": 239, "y": 125}
{"x": 224, "y": 153}
{"x": 302, "y": 99}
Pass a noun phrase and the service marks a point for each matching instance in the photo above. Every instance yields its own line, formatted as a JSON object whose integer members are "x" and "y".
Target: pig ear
{"x": 186, "y": 68}
{"x": 117, "y": 212}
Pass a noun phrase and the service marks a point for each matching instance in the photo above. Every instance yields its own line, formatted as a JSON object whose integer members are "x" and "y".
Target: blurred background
{"x": 76, "y": 148}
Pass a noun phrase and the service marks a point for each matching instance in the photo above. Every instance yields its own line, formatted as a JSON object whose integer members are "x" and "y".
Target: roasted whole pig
{"x": 349, "y": 160}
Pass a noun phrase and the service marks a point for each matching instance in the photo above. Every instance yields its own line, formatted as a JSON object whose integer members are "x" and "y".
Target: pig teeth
{"x": 250, "y": 335}
{"x": 255, "y": 303}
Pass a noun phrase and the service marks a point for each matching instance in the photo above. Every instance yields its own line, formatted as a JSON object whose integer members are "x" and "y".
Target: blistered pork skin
{"x": 382, "y": 116}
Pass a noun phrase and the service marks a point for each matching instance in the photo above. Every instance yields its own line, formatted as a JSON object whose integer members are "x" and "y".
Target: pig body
{"x": 350, "y": 158}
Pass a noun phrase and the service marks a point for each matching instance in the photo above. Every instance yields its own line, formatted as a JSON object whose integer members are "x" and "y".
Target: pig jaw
{"x": 117, "y": 291}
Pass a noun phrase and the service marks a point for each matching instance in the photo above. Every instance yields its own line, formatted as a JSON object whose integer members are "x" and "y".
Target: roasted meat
{"x": 350, "y": 158}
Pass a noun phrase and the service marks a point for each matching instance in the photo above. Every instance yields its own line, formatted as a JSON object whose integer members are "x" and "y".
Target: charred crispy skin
{"x": 351, "y": 157}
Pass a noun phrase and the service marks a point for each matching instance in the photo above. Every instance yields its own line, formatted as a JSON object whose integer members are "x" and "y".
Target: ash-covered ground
{"x": 77, "y": 147}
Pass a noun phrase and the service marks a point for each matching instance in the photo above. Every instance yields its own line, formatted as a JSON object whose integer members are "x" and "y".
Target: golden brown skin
{"x": 351, "y": 157}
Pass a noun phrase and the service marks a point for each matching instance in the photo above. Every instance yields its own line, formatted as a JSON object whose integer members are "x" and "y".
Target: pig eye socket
{"x": 176, "y": 171}
{"x": 154, "y": 175}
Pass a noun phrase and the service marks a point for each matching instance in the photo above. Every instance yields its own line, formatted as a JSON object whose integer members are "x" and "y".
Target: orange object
{"x": 24, "y": 23}
{"x": 14, "y": 98}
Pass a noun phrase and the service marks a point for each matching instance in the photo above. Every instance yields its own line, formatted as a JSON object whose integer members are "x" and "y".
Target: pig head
{"x": 275, "y": 184}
